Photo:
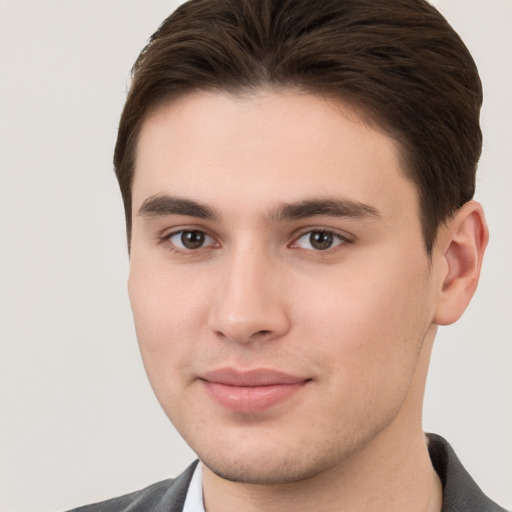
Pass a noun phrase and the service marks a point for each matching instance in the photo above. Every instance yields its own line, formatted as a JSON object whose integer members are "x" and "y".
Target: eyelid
{"x": 345, "y": 238}
{"x": 164, "y": 238}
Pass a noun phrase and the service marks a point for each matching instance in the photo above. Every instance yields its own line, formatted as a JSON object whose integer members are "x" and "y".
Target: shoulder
{"x": 167, "y": 495}
{"x": 460, "y": 492}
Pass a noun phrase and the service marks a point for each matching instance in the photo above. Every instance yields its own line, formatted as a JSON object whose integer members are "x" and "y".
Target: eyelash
{"x": 166, "y": 239}
{"x": 334, "y": 235}
{"x": 341, "y": 239}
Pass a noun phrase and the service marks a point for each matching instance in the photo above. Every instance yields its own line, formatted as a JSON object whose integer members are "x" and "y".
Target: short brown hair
{"x": 399, "y": 61}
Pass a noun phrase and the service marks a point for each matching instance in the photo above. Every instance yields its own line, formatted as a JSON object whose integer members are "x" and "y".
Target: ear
{"x": 461, "y": 246}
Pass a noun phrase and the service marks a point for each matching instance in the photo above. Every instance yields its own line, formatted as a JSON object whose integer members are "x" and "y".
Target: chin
{"x": 271, "y": 471}
{"x": 266, "y": 461}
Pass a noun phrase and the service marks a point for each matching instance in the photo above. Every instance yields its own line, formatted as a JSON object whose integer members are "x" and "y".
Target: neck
{"x": 393, "y": 472}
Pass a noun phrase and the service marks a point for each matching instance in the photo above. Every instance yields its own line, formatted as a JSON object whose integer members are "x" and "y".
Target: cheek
{"x": 368, "y": 323}
{"x": 169, "y": 313}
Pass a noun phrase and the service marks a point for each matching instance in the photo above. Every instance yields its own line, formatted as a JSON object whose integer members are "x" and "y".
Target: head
{"x": 297, "y": 180}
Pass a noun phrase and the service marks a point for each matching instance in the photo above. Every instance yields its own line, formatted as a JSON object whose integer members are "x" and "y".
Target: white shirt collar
{"x": 194, "y": 499}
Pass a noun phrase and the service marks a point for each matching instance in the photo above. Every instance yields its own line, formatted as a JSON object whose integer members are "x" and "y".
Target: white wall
{"x": 78, "y": 421}
{"x": 469, "y": 394}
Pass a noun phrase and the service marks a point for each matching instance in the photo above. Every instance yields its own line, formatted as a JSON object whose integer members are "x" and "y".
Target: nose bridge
{"x": 249, "y": 303}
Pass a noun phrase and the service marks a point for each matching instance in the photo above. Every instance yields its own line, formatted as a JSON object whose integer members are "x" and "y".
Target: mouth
{"x": 251, "y": 391}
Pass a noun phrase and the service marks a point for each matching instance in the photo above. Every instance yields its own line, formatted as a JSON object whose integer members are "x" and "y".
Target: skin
{"x": 355, "y": 322}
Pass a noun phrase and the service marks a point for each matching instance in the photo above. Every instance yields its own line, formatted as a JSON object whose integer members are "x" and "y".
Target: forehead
{"x": 255, "y": 149}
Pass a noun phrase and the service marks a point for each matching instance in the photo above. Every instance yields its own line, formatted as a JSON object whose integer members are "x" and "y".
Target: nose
{"x": 250, "y": 303}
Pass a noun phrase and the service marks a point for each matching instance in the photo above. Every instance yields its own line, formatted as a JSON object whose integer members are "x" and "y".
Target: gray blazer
{"x": 460, "y": 492}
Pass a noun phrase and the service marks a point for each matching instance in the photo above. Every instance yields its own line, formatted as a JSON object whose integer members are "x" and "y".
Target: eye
{"x": 190, "y": 240}
{"x": 319, "y": 240}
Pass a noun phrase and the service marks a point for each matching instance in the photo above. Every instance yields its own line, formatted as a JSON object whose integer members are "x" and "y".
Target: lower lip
{"x": 251, "y": 399}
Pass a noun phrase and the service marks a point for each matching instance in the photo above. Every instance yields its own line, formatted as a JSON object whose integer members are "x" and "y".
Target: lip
{"x": 253, "y": 390}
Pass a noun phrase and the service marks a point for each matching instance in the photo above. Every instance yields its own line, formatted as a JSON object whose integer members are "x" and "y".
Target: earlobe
{"x": 462, "y": 244}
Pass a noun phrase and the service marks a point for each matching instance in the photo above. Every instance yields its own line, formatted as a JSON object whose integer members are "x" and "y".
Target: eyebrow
{"x": 323, "y": 207}
{"x": 162, "y": 205}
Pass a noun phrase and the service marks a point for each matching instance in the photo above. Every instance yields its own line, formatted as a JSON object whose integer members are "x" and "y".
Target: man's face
{"x": 279, "y": 281}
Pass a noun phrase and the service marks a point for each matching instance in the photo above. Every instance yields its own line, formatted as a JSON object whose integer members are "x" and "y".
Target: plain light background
{"x": 78, "y": 420}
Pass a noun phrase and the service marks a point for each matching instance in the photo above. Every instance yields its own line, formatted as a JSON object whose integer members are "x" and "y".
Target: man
{"x": 298, "y": 180}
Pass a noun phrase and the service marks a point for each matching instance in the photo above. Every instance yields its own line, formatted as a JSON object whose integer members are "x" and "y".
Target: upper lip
{"x": 252, "y": 377}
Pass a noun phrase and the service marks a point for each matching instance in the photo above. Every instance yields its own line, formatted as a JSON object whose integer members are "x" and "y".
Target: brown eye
{"x": 190, "y": 239}
{"x": 319, "y": 240}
